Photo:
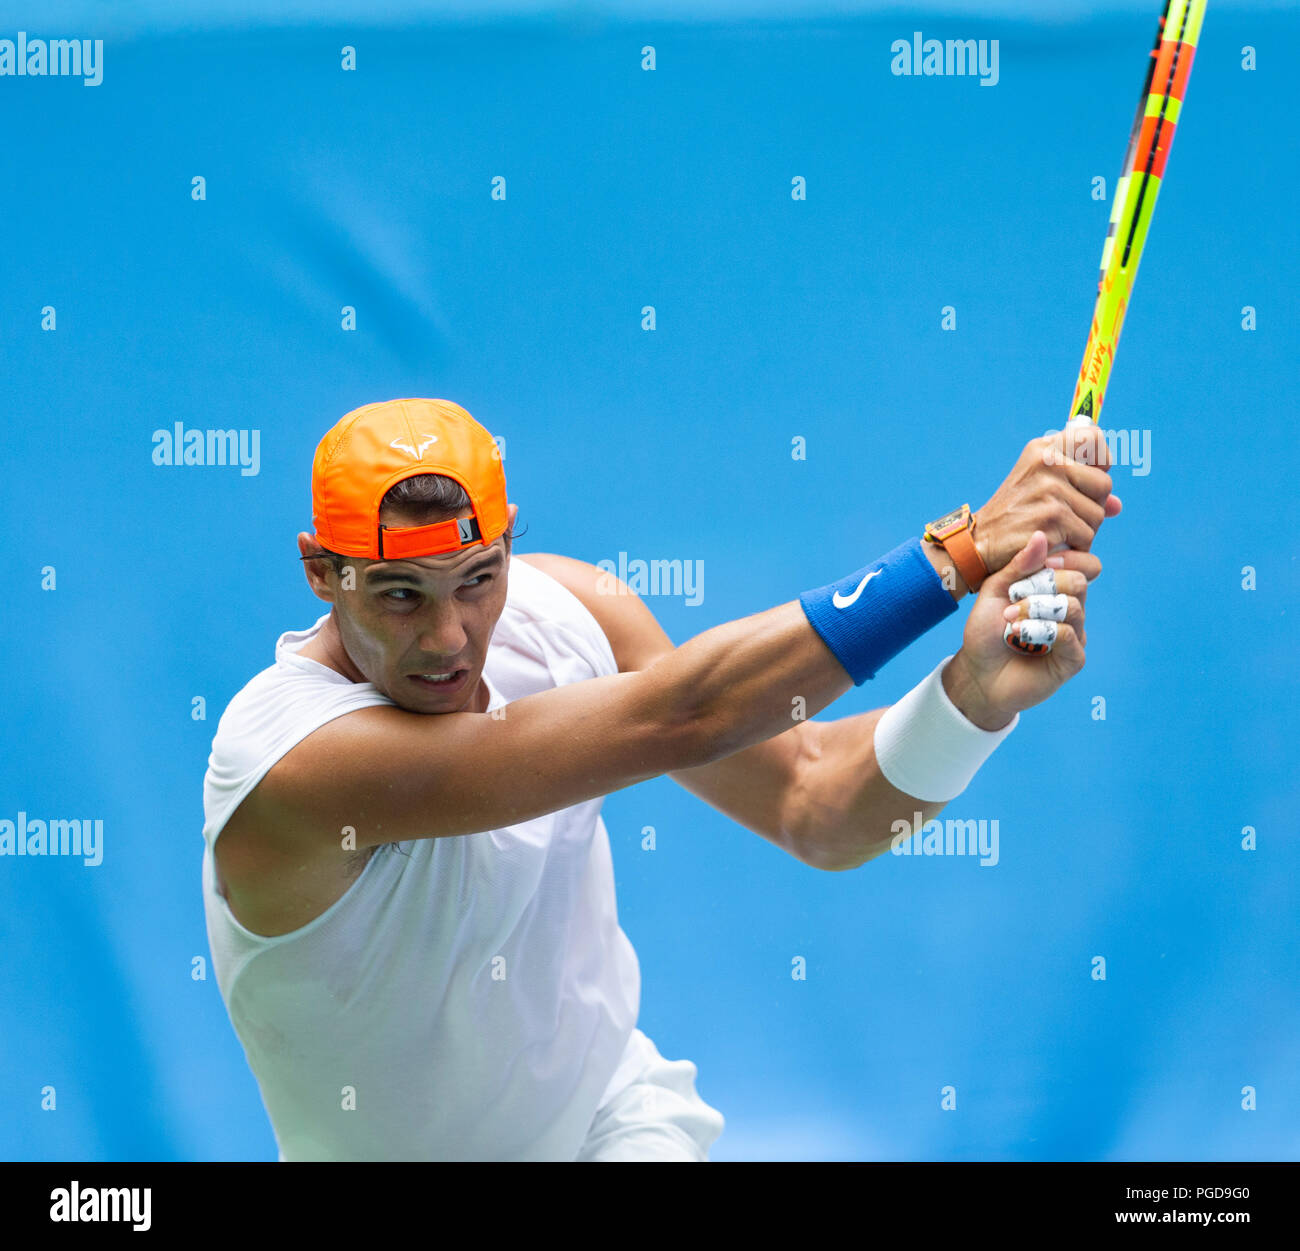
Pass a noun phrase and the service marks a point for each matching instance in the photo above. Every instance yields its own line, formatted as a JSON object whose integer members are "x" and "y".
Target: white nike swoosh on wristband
{"x": 845, "y": 601}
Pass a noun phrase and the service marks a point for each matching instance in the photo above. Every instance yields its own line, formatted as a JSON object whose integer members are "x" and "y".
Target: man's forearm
{"x": 737, "y": 683}
{"x": 841, "y": 810}
{"x": 754, "y": 683}
{"x": 741, "y": 679}
{"x": 828, "y": 802}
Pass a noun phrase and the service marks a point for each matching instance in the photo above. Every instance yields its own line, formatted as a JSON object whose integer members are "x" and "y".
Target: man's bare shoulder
{"x": 635, "y": 637}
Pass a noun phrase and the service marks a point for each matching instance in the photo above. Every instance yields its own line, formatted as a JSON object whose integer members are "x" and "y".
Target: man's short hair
{"x": 425, "y": 494}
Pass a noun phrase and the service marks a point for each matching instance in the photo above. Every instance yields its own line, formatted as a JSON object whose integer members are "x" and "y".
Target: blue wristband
{"x": 867, "y": 618}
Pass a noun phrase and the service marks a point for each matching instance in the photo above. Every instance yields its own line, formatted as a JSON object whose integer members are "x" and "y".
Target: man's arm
{"x": 813, "y": 790}
{"x": 392, "y": 775}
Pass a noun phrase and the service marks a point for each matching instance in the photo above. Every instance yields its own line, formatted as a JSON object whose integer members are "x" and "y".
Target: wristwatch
{"x": 954, "y": 532}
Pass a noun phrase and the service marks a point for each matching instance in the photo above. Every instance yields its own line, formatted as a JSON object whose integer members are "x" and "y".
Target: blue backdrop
{"x": 1146, "y": 814}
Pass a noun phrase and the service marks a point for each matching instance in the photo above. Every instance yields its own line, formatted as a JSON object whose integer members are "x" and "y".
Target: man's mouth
{"x": 441, "y": 679}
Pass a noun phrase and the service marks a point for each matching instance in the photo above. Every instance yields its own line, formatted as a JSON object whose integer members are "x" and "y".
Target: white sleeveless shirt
{"x": 468, "y": 998}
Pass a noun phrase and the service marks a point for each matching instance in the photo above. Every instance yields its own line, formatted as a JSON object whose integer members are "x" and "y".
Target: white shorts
{"x": 651, "y": 1111}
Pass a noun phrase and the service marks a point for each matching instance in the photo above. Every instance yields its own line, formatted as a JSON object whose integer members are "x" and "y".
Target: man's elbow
{"x": 830, "y": 862}
{"x": 835, "y": 855}
{"x": 813, "y": 829}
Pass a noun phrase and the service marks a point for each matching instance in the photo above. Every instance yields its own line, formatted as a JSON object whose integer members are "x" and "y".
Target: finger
{"x": 1033, "y": 638}
{"x": 1084, "y": 442}
{"x": 1071, "y": 529}
{"x": 1070, "y": 582}
{"x": 1046, "y": 608}
{"x": 1068, "y": 648}
{"x": 1039, "y": 608}
{"x": 1087, "y": 509}
{"x": 1050, "y": 582}
{"x": 1080, "y": 562}
{"x": 1074, "y": 614}
{"x": 1043, "y": 582}
{"x": 1095, "y": 483}
{"x": 1114, "y": 506}
{"x": 1021, "y": 565}
{"x": 1037, "y": 638}
{"x": 1073, "y": 584}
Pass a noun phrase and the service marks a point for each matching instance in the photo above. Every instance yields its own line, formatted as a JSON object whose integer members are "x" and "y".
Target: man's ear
{"x": 317, "y": 571}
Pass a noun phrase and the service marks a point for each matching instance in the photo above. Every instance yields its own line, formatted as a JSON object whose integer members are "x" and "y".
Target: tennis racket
{"x": 1168, "y": 70}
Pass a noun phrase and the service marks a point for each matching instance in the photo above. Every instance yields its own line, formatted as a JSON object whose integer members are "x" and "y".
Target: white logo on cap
{"x": 415, "y": 451}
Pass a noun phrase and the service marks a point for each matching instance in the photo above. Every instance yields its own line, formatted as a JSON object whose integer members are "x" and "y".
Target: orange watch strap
{"x": 966, "y": 556}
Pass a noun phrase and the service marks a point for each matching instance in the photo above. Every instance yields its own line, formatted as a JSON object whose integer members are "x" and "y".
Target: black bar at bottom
{"x": 341, "y": 1200}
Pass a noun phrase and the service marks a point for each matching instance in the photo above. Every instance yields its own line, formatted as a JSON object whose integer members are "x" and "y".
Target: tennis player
{"x": 407, "y": 881}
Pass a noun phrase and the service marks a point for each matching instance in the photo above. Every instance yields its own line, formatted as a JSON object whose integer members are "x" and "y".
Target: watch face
{"x": 946, "y": 525}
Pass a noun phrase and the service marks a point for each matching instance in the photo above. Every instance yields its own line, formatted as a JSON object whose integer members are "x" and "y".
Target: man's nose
{"x": 442, "y": 634}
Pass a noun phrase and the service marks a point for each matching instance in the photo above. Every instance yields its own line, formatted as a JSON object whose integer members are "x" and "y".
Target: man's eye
{"x": 401, "y": 590}
{"x": 480, "y": 579}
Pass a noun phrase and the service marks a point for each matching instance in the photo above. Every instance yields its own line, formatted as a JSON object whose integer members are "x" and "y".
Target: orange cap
{"x": 378, "y": 445}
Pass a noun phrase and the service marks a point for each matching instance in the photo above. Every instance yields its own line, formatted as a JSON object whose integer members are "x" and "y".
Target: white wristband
{"x": 926, "y": 748}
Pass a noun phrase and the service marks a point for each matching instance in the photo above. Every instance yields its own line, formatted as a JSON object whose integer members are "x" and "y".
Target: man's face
{"x": 408, "y": 624}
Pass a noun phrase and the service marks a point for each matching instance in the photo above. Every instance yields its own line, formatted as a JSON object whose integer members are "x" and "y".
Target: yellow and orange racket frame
{"x": 1152, "y": 136}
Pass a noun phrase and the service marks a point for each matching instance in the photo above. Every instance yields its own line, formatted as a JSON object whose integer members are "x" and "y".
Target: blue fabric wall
{"x": 776, "y": 319}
